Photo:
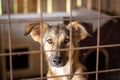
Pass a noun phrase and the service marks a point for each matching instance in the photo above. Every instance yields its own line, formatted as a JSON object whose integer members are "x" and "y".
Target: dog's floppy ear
{"x": 34, "y": 30}
{"x": 79, "y": 32}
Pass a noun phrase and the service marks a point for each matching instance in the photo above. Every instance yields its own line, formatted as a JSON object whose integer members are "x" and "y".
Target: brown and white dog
{"x": 55, "y": 38}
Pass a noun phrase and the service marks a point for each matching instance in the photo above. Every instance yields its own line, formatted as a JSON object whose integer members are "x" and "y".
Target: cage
{"x": 21, "y": 58}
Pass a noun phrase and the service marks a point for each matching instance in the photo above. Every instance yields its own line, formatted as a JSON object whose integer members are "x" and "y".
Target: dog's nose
{"x": 57, "y": 60}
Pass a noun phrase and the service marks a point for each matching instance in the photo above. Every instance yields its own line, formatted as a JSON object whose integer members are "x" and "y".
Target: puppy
{"x": 55, "y": 41}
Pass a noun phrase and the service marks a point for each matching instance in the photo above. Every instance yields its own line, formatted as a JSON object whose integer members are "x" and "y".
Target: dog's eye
{"x": 66, "y": 40}
{"x": 50, "y": 41}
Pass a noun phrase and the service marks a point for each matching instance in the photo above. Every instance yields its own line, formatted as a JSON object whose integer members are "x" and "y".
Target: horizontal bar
{"x": 79, "y": 48}
{"x": 88, "y": 73}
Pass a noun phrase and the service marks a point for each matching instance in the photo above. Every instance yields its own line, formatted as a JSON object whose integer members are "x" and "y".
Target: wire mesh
{"x": 41, "y": 20}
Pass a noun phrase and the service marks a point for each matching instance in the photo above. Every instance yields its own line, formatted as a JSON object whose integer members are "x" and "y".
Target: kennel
{"x": 98, "y": 52}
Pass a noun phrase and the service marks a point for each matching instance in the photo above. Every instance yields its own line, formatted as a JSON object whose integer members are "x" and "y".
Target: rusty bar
{"x": 41, "y": 32}
{"x": 79, "y": 48}
{"x": 71, "y": 62}
{"x": 92, "y": 72}
{"x": 98, "y": 40}
{"x": 9, "y": 40}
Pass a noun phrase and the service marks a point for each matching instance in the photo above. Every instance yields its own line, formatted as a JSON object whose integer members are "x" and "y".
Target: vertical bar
{"x": 4, "y": 7}
{"x": 68, "y": 6}
{"x": 0, "y": 7}
{"x": 98, "y": 40}
{"x": 79, "y": 3}
{"x": 71, "y": 71}
{"x": 15, "y": 6}
{"x": 9, "y": 39}
{"x": 44, "y": 5}
{"x": 41, "y": 30}
{"x": 25, "y": 6}
{"x": 49, "y": 6}
{"x": 89, "y": 4}
{"x": 38, "y": 6}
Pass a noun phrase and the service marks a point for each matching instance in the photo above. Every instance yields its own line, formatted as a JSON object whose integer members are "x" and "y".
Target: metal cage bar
{"x": 98, "y": 40}
{"x": 71, "y": 16}
{"x": 10, "y": 40}
{"x": 41, "y": 32}
{"x": 98, "y": 46}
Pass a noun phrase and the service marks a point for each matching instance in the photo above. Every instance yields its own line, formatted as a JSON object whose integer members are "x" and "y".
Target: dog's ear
{"x": 34, "y": 30}
{"x": 79, "y": 31}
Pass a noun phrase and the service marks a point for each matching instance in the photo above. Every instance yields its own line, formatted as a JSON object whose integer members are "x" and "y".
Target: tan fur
{"x": 56, "y": 38}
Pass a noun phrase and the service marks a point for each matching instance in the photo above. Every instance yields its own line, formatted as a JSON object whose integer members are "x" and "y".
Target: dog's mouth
{"x": 58, "y": 61}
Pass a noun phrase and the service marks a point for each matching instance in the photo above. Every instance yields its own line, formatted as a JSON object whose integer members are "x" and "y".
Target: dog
{"x": 56, "y": 37}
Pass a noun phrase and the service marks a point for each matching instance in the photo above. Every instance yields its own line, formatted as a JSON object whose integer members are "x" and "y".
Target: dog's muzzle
{"x": 58, "y": 61}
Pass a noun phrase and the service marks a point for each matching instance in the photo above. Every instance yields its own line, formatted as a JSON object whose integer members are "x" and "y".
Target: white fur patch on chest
{"x": 61, "y": 72}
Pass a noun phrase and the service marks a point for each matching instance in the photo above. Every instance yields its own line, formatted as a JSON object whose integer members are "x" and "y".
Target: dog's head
{"x": 55, "y": 38}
